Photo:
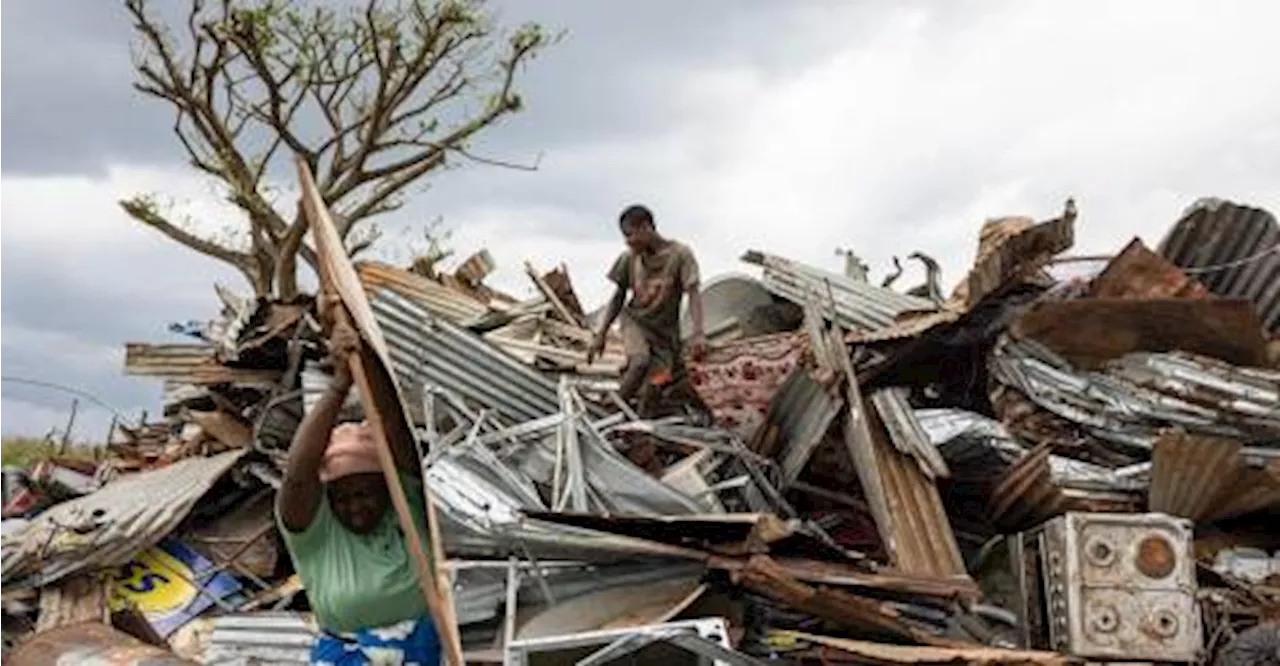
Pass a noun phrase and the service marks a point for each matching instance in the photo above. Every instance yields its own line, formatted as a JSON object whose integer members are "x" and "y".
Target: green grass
{"x": 26, "y": 452}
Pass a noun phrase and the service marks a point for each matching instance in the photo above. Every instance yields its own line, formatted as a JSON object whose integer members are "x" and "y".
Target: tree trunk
{"x": 286, "y": 260}
{"x": 287, "y": 274}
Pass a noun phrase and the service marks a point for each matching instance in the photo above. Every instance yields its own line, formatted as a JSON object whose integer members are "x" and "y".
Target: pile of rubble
{"x": 1037, "y": 469}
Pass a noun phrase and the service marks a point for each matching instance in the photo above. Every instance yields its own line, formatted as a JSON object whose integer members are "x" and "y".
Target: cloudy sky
{"x": 794, "y": 126}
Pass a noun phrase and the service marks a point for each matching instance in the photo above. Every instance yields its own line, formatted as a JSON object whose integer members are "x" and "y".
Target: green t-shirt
{"x": 353, "y": 581}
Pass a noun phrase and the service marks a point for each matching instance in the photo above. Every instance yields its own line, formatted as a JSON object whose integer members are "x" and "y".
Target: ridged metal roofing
{"x": 449, "y": 303}
{"x": 1233, "y": 250}
{"x": 858, "y": 305}
{"x": 106, "y": 528}
{"x": 426, "y": 350}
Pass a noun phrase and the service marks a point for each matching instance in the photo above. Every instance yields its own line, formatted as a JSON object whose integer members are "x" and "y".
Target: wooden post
{"x": 337, "y": 275}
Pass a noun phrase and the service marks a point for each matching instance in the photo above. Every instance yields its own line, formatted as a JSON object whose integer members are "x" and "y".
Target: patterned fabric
{"x": 408, "y": 643}
{"x": 738, "y": 379}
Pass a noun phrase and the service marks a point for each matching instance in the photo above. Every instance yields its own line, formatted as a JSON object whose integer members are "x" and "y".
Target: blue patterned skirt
{"x": 408, "y": 643}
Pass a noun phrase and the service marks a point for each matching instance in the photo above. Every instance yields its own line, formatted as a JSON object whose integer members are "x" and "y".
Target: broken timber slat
{"x": 337, "y": 273}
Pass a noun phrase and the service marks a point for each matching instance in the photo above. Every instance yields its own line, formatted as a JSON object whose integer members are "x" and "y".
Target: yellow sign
{"x": 154, "y": 582}
{"x": 163, "y": 583}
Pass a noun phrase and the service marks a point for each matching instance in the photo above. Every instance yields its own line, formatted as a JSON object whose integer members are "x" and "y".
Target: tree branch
{"x": 243, "y": 75}
{"x": 144, "y": 211}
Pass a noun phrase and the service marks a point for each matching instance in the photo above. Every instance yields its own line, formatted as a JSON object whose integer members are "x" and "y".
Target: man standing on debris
{"x": 345, "y": 543}
{"x": 658, "y": 272}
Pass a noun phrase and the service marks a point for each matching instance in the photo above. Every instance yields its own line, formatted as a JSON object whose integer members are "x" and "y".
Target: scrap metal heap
{"x": 1037, "y": 469}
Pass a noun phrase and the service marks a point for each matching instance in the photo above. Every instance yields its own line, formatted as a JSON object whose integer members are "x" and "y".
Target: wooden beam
{"x": 382, "y": 411}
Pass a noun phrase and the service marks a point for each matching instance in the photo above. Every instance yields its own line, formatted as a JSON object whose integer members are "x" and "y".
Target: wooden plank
{"x": 384, "y": 407}
{"x": 551, "y": 296}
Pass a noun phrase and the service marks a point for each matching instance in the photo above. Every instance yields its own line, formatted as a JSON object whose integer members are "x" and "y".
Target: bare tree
{"x": 374, "y": 97}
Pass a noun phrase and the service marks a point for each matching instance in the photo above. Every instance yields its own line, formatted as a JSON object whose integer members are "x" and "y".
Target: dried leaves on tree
{"x": 375, "y": 97}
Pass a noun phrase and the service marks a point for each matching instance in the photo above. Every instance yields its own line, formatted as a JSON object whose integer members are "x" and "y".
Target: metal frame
{"x": 707, "y": 638}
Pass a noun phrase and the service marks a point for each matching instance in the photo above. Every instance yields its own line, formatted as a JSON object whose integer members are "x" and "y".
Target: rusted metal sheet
{"x": 846, "y": 575}
{"x": 1041, "y": 485}
{"x": 728, "y": 533}
{"x": 765, "y": 576}
{"x": 915, "y": 655}
{"x": 92, "y": 644}
{"x": 1234, "y": 250}
{"x": 908, "y": 325}
{"x": 384, "y": 405}
{"x": 190, "y": 364}
{"x": 1026, "y": 495}
{"x": 907, "y": 507}
{"x": 1089, "y": 332}
{"x": 451, "y": 304}
{"x": 107, "y": 527}
{"x": 1210, "y": 478}
{"x": 1137, "y": 272}
{"x": 243, "y": 538}
{"x": 905, "y": 503}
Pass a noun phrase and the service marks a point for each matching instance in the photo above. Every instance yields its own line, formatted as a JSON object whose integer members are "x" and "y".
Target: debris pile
{"x": 1035, "y": 469}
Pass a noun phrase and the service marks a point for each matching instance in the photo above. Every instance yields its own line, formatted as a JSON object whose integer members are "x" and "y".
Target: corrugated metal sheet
{"x": 1027, "y": 495}
{"x": 482, "y": 508}
{"x": 260, "y": 639}
{"x": 802, "y": 411}
{"x": 909, "y": 326}
{"x": 982, "y": 446}
{"x": 426, "y": 350}
{"x": 858, "y": 305}
{"x": 1233, "y": 250}
{"x": 449, "y": 303}
{"x": 906, "y": 504}
{"x": 1042, "y": 485}
{"x": 1210, "y": 478}
{"x": 1135, "y": 396}
{"x": 906, "y": 433}
{"x": 107, "y": 527}
{"x": 190, "y": 364}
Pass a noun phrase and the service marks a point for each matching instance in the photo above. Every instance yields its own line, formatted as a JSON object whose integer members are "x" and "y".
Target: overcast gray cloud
{"x": 792, "y": 126}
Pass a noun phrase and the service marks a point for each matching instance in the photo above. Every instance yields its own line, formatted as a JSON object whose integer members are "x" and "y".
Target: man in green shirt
{"x": 345, "y": 543}
{"x": 658, "y": 272}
